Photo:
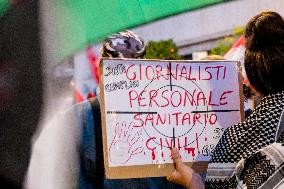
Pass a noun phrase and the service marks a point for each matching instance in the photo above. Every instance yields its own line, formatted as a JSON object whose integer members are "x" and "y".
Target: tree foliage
{"x": 225, "y": 44}
{"x": 164, "y": 49}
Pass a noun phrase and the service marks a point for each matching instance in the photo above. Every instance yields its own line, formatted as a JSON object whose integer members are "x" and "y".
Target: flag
{"x": 78, "y": 23}
{"x": 237, "y": 52}
{"x": 86, "y": 74}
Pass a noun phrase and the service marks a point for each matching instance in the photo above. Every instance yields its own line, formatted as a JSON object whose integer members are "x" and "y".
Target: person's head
{"x": 124, "y": 44}
{"x": 264, "y": 55}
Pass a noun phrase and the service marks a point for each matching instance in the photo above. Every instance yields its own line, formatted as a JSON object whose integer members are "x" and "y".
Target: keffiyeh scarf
{"x": 240, "y": 158}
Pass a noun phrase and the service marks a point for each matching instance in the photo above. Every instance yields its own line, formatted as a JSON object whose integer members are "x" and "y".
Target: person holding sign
{"x": 125, "y": 44}
{"x": 75, "y": 138}
{"x": 250, "y": 154}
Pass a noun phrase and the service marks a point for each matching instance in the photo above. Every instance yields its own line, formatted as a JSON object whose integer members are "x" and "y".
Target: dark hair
{"x": 264, "y": 56}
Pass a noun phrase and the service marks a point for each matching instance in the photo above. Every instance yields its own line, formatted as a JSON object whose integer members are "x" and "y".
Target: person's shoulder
{"x": 235, "y": 133}
{"x": 228, "y": 140}
{"x": 238, "y": 127}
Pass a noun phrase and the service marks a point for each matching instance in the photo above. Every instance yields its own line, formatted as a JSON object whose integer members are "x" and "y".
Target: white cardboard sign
{"x": 150, "y": 106}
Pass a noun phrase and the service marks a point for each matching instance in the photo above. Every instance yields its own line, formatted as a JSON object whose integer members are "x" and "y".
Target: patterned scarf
{"x": 241, "y": 141}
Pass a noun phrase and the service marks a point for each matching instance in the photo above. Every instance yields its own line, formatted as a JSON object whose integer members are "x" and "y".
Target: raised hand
{"x": 183, "y": 174}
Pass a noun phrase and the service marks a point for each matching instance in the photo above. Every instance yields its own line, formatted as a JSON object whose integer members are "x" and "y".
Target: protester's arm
{"x": 183, "y": 174}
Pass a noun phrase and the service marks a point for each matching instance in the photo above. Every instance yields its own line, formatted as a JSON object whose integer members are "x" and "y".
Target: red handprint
{"x": 126, "y": 143}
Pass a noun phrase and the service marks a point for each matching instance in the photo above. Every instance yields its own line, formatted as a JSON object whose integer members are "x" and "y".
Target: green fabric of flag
{"x": 4, "y": 6}
{"x": 78, "y": 23}
{"x": 82, "y": 22}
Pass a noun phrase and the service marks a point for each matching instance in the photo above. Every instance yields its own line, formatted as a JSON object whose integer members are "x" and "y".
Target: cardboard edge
{"x": 103, "y": 120}
{"x": 241, "y": 92}
{"x": 158, "y": 170}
